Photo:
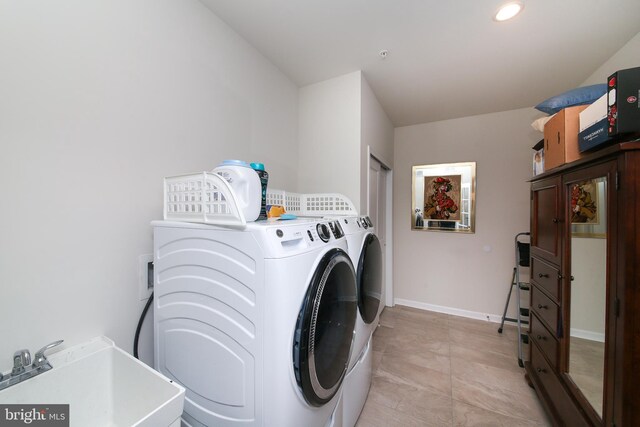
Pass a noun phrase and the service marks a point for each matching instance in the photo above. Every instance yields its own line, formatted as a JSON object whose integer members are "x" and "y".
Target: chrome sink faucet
{"x": 21, "y": 359}
{"x": 23, "y": 369}
{"x": 40, "y": 361}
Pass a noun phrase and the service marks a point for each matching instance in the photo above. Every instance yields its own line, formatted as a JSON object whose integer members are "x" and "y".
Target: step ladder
{"x": 522, "y": 313}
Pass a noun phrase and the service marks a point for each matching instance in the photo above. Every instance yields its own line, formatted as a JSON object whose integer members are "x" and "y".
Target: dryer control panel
{"x": 365, "y": 222}
{"x": 336, "y": 229}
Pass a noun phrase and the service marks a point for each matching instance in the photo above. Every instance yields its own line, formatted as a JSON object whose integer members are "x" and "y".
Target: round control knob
{"x": 323, "y": 232}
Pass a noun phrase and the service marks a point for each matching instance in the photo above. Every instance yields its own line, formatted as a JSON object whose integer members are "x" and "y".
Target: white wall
{"x": 101, "y": 100}
{"x": 464, "y": 273}
{"x": 329, "y": 137}
{"x": 376, "y": 135}
{"x": 588, "y": 289}
{"x": 339, "y": 119}
{"x": 627, "y": 57}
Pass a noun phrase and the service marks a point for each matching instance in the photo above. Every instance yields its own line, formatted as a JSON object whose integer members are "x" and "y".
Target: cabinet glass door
{"x": 587, "y": 288}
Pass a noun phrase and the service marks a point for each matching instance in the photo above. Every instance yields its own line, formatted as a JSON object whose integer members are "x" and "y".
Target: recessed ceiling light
{"x": 508, "y": 11}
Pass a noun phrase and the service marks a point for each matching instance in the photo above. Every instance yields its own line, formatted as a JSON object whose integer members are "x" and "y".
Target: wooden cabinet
{"x": 584, "y": 352}
{"x": 546, "y": 217}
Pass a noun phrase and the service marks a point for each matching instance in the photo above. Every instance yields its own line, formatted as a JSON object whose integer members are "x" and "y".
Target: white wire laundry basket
{"x": 201, "y": 197}
{"x": 312, "y": 204}
{"x": 207, "y": 198}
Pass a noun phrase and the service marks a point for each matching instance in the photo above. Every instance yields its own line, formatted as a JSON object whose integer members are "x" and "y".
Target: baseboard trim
{"x": 494, "y": 318}
{"x": 587, "y": 335}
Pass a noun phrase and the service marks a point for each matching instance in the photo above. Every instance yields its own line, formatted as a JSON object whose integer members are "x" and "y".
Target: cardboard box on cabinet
{"x": 594, "y": 136}
{"x": 593, "y": 125}
{"x": 561, "y": 137}
{"x": 594, "y": 113}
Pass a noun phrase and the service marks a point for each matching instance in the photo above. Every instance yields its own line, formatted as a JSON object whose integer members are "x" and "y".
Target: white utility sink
{"x": 104, "y": 386}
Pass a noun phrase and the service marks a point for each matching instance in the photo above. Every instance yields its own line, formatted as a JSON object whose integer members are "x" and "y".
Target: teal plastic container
{"x": 264, "y": 179}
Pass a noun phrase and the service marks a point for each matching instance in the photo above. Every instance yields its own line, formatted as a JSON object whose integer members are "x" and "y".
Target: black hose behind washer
{"x": 140, "y": 322}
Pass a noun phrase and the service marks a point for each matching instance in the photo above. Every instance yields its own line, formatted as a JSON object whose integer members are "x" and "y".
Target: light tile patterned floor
{"x": 586, "y": 367}
{"x": 432, "y": 369}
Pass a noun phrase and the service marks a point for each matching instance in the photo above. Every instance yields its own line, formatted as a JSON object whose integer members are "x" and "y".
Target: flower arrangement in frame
{"x": 443, "y": 197}
{"x": 584, "y": 202}
{"x": 587, "y": 219}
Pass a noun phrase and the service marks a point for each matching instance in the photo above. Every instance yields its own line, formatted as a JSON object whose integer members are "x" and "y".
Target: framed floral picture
{"x": 443, "y": 197}
{"x": 587, "y": 218}
{"x": 584, "y": 202}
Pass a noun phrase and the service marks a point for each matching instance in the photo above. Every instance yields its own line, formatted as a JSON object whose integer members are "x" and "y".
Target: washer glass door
{"x": 369, "y": 278}
{"x": 325, "y": 328}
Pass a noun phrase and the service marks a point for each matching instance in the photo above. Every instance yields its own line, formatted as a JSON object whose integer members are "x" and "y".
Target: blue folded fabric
{"x": 579, "y": 96}
{"x": 287, "y": 216}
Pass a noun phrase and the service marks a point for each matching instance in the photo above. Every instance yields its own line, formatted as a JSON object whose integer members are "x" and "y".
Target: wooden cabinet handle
{"x": 541, "y": 371}
{"x": 542, "y": 306}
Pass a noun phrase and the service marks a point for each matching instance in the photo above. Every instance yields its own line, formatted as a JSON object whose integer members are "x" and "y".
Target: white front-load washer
{"x": 366, "y": 254}
{"x": 257, "y": 324}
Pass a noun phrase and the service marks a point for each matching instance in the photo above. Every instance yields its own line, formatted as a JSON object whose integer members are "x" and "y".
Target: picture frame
{"x": 587, "y": 219}
{"x": 584, "y": 202}
{"x": 444, "y": 197}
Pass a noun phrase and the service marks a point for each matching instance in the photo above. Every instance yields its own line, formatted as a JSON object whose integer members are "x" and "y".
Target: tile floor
{"x": 586, "y": 366}
{"x": 433, "y": 369}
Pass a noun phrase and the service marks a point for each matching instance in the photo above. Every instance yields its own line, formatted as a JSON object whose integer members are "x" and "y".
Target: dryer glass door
{"x": 369, "y": 278}
{"x": 325, "y": 327}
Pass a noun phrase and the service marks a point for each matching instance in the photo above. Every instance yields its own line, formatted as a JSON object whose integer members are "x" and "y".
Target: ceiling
{"x": 447, "y": 58}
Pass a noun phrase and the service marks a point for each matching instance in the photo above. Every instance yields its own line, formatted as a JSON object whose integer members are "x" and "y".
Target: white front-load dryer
{"x": 257, "y": 324}
{"x": 366, "y": 254}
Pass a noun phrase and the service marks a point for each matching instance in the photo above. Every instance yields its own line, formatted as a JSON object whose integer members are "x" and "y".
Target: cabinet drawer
{"x": 545, "y": 339}
{"x": 545, "y": 309}
{"x": 546, "y": 276}
{"x": 553, "y": 392}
